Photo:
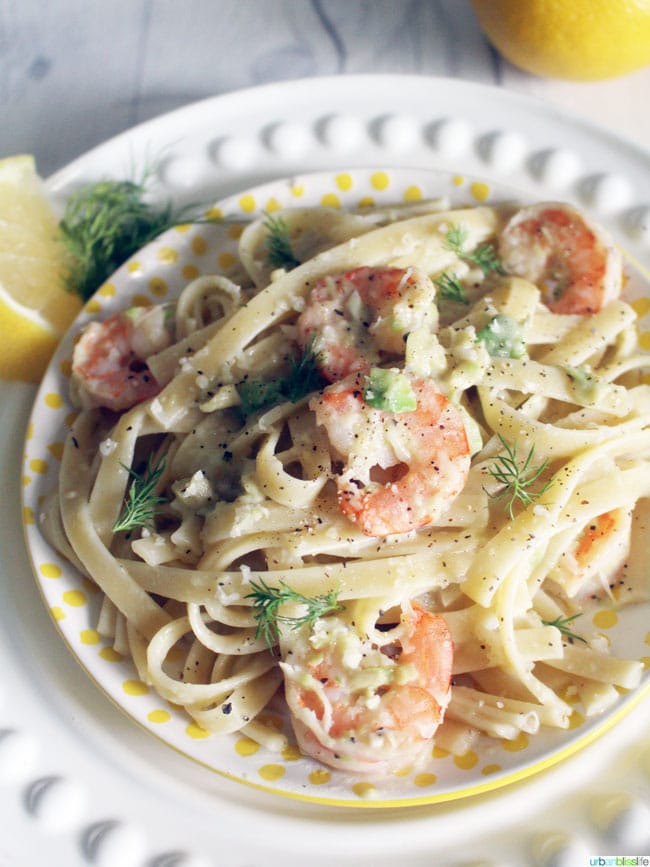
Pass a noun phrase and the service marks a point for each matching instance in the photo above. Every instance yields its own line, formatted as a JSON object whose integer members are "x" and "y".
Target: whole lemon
{"x": 581, "y": 40}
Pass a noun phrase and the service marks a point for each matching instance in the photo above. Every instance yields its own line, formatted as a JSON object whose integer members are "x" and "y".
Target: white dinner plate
{"x": 157, "y": 274}
{"x": 78, "y": 779}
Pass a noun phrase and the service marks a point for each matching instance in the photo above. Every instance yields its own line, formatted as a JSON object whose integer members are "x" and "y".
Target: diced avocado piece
{"x": 133, "y": 313}
{"x": 585, "y": 385}
{"x": 389, "y": 390}
{"x": 502, "y": 337}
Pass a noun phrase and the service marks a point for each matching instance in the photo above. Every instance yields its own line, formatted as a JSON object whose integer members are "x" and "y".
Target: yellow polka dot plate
{"x": 156, "y": 274}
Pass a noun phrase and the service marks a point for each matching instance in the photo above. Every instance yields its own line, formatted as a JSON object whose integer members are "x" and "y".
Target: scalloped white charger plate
{"x": 155, "y": 274}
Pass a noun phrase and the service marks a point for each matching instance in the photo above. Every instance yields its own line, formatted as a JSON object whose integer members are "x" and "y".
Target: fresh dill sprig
{"x": 107, "y": 221}
{"x": 304, "y": 377}
{"x": 455, "y": 240}
{"x": 257, "y": 394}
{"x": 141, "y": 502}
{"x": 278, "y": 244}
{"x": 517, "y": 479}
{"x": 103, "y": 224}
{"x": 563, "y": 623}
{"x": 485, "y": 256}
{"x": 267, "y": 602}
{"x": 450, "y": 288}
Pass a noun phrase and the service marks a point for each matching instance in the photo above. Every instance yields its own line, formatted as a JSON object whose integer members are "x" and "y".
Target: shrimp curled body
{"x": 575, "y": 264}
{"x": 350, "y": 319}
{"x": 402, "y": 469}
{"x": 369, "y": 703}
{"x": 108, "y": 363}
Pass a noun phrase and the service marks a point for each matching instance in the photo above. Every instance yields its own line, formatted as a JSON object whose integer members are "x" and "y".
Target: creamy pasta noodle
{"x": 379, "y": 480}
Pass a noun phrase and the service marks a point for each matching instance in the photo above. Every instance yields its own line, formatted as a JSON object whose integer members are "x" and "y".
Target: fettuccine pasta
{"x": 378, "y": 481}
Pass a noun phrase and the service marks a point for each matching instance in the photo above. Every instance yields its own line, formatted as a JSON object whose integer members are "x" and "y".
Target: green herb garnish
{"x": 450, "y": 288}
{"x": 141, "y": 501}
{"x": 278, "y": 244}
{"x": 484, "y": 255}
{"x": 267, "y": 602}
{"x": 562, "y": 623}
{"x": 256, "y": 394}
{"x": 304, "y": 377}
{"x": 517, "y": 479}
{"x": 103, "y": 224}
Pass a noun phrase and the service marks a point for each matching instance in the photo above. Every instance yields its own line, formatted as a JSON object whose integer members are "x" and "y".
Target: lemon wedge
{"x": 35, "y": 307}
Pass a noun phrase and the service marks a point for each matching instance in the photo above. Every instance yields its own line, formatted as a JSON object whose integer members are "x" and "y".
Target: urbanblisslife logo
{"x": 623, "y": 860}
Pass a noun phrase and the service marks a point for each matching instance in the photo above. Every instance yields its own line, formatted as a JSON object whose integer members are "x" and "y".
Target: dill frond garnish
{"x": 455, "y": 239}
{"x": 278, "y": 244}
{"x": 450, "y": 288}
{"x": 517, "y": 480}
{"x": 484, "y": 256}
{"x": 103, "y": 224}
{"x": 267, "y": 602}
{"x": 256, "y": 394}
{"x": 107, "y": 221}
{"x": 563, "y": 624}
{"x": 141, "y": 502}
{"x": 304, "y": 377}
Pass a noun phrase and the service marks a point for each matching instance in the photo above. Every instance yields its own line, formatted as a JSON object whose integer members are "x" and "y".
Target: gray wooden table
{"x": 76, "y": 72}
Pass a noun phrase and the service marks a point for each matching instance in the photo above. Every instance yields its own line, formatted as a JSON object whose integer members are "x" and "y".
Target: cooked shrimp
{"x": 373, "y": 703}
{"x": 402, "y": 469}
{"x": 351, "y": 318}
{"x": 590, "y": 570}
{"x": 108, "y": 362}
{"x": 574, "y": 262}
